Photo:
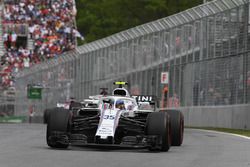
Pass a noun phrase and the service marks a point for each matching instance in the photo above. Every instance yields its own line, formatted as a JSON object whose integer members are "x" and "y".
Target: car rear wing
{"x": 151, "y": 99}
{"x": 145, "y": 98}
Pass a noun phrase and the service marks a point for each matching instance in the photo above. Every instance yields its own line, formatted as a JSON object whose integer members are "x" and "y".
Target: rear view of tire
{"x": 58, "y": 122}
{"x": 158, "y": 124}
{"x": 177, "y": 126}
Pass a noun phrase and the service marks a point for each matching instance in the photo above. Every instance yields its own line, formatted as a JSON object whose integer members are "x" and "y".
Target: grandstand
{"x": 33, "y": 31}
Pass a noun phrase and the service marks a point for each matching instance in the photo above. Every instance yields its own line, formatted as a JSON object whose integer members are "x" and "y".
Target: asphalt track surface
{"x": 23, "y": 145}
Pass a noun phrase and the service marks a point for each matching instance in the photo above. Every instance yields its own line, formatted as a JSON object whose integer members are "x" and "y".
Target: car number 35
{"x": 110, "y": 117}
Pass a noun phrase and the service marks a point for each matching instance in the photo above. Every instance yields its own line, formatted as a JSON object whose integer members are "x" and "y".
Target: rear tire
{"x": 158, "y": 123}
{"x": 58, "y": 121}
{"x": 177, "y": 126}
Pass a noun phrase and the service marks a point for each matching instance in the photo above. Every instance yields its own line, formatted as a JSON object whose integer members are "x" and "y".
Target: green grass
{"x": 234, "y": 131}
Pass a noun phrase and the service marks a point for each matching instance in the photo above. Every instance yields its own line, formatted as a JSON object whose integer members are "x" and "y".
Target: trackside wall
{"x": 235, "y": 117}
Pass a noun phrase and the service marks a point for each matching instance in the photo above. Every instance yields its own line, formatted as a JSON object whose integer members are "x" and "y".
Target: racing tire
{"x": 58, "y": 121}
{"x": 158, "y": 123}
{"x": 177, "y": 126}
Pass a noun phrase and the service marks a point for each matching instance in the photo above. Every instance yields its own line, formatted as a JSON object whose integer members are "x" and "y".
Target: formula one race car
{"x": 118, "y": 120}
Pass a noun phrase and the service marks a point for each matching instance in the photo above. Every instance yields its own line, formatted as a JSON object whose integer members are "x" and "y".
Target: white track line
{"x": 224, "y": 133}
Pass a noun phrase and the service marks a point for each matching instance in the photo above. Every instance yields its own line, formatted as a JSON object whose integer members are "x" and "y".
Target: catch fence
{"x": 199, "y": 57}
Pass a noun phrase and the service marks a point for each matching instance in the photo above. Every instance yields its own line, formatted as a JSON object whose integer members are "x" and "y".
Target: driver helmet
{"x": 120, "y": 104}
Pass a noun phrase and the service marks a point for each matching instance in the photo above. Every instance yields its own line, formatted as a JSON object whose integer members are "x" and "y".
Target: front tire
{"x": 158, "y": 124}
{"x": 58, "y": 121}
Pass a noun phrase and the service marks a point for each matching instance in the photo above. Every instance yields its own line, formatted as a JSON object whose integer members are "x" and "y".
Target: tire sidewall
{"x": 58, "y": 120}
{"x": 158, "y": 123}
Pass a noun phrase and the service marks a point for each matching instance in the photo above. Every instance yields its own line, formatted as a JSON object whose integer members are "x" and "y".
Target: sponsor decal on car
{"x": 143, "y": 98}
{"x": 108, "y": 123}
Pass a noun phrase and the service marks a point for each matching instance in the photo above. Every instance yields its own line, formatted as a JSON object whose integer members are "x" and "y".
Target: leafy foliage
{"x": 97, "y": 19}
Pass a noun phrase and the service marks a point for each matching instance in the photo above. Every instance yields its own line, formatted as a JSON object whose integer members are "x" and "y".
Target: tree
{"x": 97, "y": 19}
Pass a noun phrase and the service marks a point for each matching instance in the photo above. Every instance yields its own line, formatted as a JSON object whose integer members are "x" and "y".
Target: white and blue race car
{"x": 117, "y": 120}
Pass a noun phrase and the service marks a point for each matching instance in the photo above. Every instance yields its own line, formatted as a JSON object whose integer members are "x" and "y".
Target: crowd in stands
{"x": 49, "y": 23}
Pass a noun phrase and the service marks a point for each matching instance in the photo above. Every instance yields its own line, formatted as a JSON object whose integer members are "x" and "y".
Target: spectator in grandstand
{"x": 13, "y": 39}
{"x": 5, "y": 39}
